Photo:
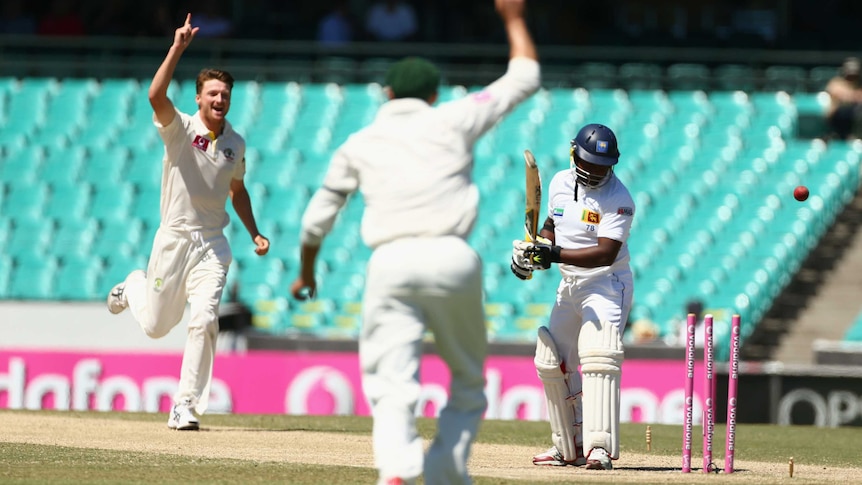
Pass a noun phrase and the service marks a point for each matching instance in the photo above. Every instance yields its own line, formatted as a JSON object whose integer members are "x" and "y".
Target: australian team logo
{"x": 229, "y": 154}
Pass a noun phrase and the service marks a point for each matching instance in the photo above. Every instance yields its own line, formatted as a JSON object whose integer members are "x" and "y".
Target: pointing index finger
{"x": 188, "y": 18}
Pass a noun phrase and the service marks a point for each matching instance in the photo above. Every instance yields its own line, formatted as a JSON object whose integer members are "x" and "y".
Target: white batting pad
{"x": 561, "y": 405}
{"x": 601, "y": 351}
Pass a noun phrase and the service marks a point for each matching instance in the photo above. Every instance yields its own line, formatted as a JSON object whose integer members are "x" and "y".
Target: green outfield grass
{"x": 29, "y": 463}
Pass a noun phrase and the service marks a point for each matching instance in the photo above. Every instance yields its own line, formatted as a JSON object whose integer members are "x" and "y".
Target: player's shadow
{"x": 717, "y": 471}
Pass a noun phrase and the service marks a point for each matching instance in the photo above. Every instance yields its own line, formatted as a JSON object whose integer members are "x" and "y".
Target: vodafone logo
{"x": 319, "y": 390}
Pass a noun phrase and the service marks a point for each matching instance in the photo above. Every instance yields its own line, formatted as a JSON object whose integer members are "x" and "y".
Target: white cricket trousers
{"x": 605, "y": 298}
{"x": 414, "y": 285}
{"x": 184, "y": 266}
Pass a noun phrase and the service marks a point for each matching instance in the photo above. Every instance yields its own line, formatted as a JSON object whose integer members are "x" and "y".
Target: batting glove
{"x": 542, "y": 255}
{"x": 521, "y": 266}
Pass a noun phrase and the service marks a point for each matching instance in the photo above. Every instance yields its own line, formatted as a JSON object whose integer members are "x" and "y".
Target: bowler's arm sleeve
{"x": 340, "y": 181}
{"x": 239, "y": 167}
{"x": 477, "y": 112}
{"x": 173, "y": 130}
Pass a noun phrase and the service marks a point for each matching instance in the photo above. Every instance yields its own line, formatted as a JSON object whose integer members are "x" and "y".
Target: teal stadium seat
{"x": 21, "y": 165}
{"x": 26, "y": 201}
{"x": 78, "y": 279}
{"x": 335, "y": 69}
{"x": 115, "y": 271}
{"x": 68, "y": 103}
{"x": 5, "y": 231}
{"x": 33, "y": 279}
{"x": 112, "y": 202}
{"x": 6, "y": 266}
{"x": 641, "y": 75}
{"x": 105, "y": 166}
{"x": 145, "y": 167}
{"x": 118, "y": 239}
{"x": 792, "y": 79}
{"x": 28, "y": 105}
{"x": 374, "y": 69}
{"x": 819, "y": 76}
{"x": 62, "y": 165}
{"x": 595, "y": 75}
{"x": 736, "y": 77}
{"x": 74, "y": 238}
{"x": 146, "y": 205}
{"x": 68, "y": 201}
{"x": 688, "y": 76}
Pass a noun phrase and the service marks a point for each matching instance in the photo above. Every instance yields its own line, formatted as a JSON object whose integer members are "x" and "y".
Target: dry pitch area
{"x": 309, "y": 447}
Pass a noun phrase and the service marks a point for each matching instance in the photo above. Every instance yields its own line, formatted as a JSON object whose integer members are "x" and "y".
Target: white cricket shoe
{"x": 117, "y": 301}
{"x": 598, "y": 459}
{"x": 182, "y": 418}
{"x": 553, "y": 457}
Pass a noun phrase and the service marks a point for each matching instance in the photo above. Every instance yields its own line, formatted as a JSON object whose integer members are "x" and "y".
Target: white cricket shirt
{"x": 197, "y": 170}
{"x": 413, "y": 164}
{"x": 605, "y": 211}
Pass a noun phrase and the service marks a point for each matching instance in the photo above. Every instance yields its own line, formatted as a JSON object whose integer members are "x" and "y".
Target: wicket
{"x": 709, "y": 394}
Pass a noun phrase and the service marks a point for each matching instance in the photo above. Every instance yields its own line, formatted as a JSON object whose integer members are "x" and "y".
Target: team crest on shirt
{"x": 201, "y": 142}
{"x": 229, "y": 154}
{"x": 158, "y": 284}
{"x": 590, "y": 217}
{"x": 626, "y": 211}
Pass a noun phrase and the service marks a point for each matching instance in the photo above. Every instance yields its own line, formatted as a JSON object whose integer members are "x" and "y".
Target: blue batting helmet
{"x": 596, "y": 144}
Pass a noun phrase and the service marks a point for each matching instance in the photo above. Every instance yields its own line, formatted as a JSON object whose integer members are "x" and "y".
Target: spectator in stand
{"x": 14, "y": 19}
{"x": 62, "y": 19}
{"x": 210, "y": 17}
{"x": 160, "y": 22}
{"x": 845, "y": 94}
{"x": 336, "y": 27}
{"x": 391, "y": 21}
{"x": 116, "y": 17}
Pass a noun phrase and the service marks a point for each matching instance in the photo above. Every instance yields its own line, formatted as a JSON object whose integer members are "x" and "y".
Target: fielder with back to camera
{"x": 590, "y": 215}
{"x": 204, "y": 163}
{"x": 413, "y": 165}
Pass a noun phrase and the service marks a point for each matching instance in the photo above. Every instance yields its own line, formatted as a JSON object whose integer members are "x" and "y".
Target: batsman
{"x": 590, "y": 213}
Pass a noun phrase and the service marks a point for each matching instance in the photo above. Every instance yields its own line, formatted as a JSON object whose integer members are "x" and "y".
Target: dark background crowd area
{"x": 778, "y": 24}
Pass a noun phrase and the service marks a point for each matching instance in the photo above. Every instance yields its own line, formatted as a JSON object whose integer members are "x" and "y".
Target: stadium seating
{"x": 711, "y": 172}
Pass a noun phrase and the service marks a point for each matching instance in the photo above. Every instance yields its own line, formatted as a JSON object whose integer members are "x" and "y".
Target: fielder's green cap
{"x": 413, "y": 77}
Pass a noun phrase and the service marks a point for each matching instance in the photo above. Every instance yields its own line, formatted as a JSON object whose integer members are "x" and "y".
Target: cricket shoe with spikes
{"x": 598, "y": 459}
{"x": 182, "y": 418}
{"x": 117, "y": 298}
{"x": 553, "y": 457}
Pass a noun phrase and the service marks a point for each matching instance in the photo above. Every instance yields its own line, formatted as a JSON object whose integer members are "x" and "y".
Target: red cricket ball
{"x": 800, "y": 193}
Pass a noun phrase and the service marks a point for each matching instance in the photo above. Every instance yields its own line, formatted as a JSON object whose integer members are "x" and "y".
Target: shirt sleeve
{"x": 174, "y": 129}
{"x": 239, "y": 167}
{"x": 477, "y": 112}
{"x": 617, "y": 219}
{"x": 339, "y": 182}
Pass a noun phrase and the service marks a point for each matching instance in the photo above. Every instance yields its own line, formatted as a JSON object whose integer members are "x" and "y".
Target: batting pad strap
{"x": 601, "y": 352}
{"x": 561, "y": 404}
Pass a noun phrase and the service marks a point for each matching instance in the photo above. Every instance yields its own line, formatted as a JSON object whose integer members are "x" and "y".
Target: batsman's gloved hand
{"x": 542, "y": 255}
{"x": 521, "y": 266}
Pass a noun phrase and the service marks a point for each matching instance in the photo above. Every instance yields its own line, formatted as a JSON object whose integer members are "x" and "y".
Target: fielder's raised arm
{"x": 158, "y": 92}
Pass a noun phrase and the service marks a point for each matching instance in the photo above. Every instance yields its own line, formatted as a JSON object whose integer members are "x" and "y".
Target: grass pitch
{"x": 91, "y": 447}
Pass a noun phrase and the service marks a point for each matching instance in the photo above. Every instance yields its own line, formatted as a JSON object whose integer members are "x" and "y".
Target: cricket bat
{"x": 534, "y": 198}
